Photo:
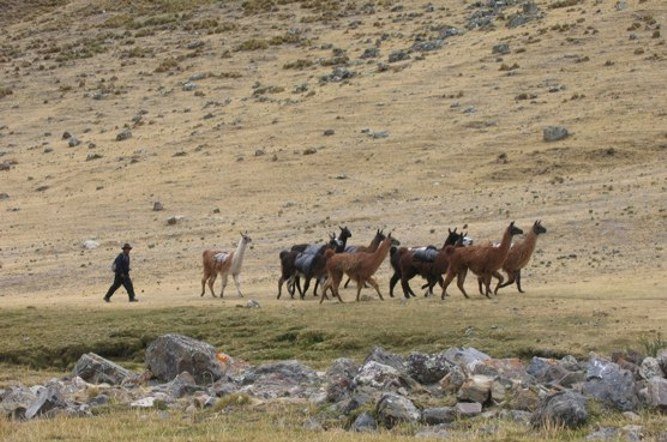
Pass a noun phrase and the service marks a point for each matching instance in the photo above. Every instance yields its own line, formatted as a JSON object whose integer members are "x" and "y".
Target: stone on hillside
{"x": 90, "y": 244}
{"x": 97, "y": 370}
{"x": 48, "y": 399}
{"x": 189, "y": 86}
{"x": 512, "y": 368}
{"x": 468, "y": 409}
{"x": 364, "y": 423}
{"x": 563, "y": 408}
{"x": 383, "y": 377}
{"x": 554, "y": 133}
{"x": 197, "y": 76}
{"x": 16, "y": 400}
{"x": 338, "y": 74}
{"x": 650, "y": 368}
{"x": 440, "y": 415}
{"x": 4, "y": 196}
{"x": 370, "y": 53}
{"x": 453, "y": 380}
{"x": 476, "y": 389}
{"x": 157, "y": 206}
{"x": 339, "y": 379}
{"x": 657, "y": 393}
{"x": 392, "y": 409}
{"x": 545, "y": 370}
{"x": 379, "y": 354}
{"x": 524, "y": 399}
{"x": 399, "y": 55}
{"x": 612, "y": 385}
{"x": 501, "y": 48}
{"x": 285, "y": 378}
{"x": 125, "y": 134}
{"x": 172, "y": 220}
{"x": 73, "y": 141}
{"x": 428, "y": 369}
{"x": 172, "y": 354}
{"x": 465, "y": 357}
{"x": 182, "y": 385}
{"x": 661, "y": 356}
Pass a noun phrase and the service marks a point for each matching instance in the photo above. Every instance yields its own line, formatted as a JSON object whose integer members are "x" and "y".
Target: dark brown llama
{"x": 483, "y": 260}
{"x": 360, "y": 267}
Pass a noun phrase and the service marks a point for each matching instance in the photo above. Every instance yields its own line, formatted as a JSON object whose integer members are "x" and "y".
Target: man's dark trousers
{"x": 119, "y": 280}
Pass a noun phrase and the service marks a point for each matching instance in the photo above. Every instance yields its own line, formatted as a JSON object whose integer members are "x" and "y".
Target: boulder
{"x": 465, "y": 357}
{"x": 501, "y": 48}
{"x": 546, "y": 371}
{"x": 563, "y": 408}
{"x": 171, "y": 354}
{"x": 512, "y": 369}
{"x": 468, "y": 409}
{"x": 97, "y": 370}
{"x": 453, "y": 381}
{"x": 554, "y": 133}
{"x": 428, "y": 369}
{"x": 182, "y": 385}
{"x": 364, "y": 423}
{"x": 661, "y": 356}
{"x": 440, "y": 415}
{"x": 476, "y": 389}
{"x": 16, "y": 400}
{"x": 392, "y": 409}
{"x": 380, "y": 376}
{"x": 48, "y": 399}
{"x": 279, "y": 379}
{"x": 657, "y": 393}
{"x": 524, "y": 399}
{"x": 610, "y": 384}
{"x": 379, "y": 354}
{"x": 650, "y": 368}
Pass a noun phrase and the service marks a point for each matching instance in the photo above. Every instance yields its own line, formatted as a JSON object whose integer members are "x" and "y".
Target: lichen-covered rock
{"x": 440, "y": 415}
{"x": 97, "y": 370}
{"x": 650, "y": 368}
{"x": 171, "y": 354}
{"x": 48, "y": 399}
{"x": 379, "y": 354}
{"x": 428, "y": 369}
{"x": 512, "y": 369}
{"x": 16, "y": 400}
{"x": 364, "y": 423}
{"x": 465, "y": 357}
{"x": 468, "y": 409}
{"x": 563, "y": 408}
{"x": 612, "y": 385}
{"x": 392, "y": 409}
{"x": 476, "y": 389}
{"x": 279, "y": 379}
{"x": 546, "y": 370}
{"x": 657, "y": 393}
{"x": 380, "y": 376}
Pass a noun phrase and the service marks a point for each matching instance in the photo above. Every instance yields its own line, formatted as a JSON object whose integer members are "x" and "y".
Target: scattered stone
{"x": 329, "y": 132}
{"x": 198, "y": 76}
{"x": 466, "y": 357}
{"x": 427, "y": 46}
{"x": 124, "y": 135}
{"x": 453, "y": 380}
{"x": 189, "y": 86}
{"x": 610, "y": 384}
{"x": 657, "y": 393}
{"x": 370, "y": 53}
{"x": 397, "y": 56}
{"x": 97, "y": 370}
{"x": 90, "y": 244}
{"x": 554, "y": 133}
{"x": 73, "y": 141}
{"x": 16, "y": 400}
{"x": 380, "y": 355}
{"x": 172, "y": 354}
{"x": 428, "y": 369}
{"x": 279, "y": 379}
{"x": 364, "y": 423}
{"x": 511, "y": 368}
{"x": 172, "y": 220}
{"x": 48, "y": 399}
{"x": 182, "y": 385}
{"x": 563, "y": 408}
{"x": 476, "y": 389}
{"x": 392, "y": 409}
{"x": 157, "y": 206}
{"x": 650, "y": 368}
{"x": 252, "y": 304}
{"x": 546, "y": 370}
{"x": 441, "y": 415}
{"x": 381, "y": 377}
{"x": 4, "y": 196}
{"x": 93, "y": 156}
{"x": 502, "y": 48}
{"x": 379, "y": 134}
{"x": 260, "y": 152}
{"x": 468, "y": 409}
{"x": 337, "y": 75}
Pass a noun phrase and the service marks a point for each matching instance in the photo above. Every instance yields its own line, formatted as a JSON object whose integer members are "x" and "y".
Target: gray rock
{"x": 342, "y": 368}
{"x": 382, "y": 377}
{"x": 440, "y": 415}
{"x": 97, "y": 370}
{"x": 182, "y": 385}
{"x": 172, "y": 354}
{"x": 657, "y": 393}
{"x": 518, "y": 416}
{"x": 337, "y": 75}
{"x": 99, "y": 400}
{"x": 508, "y": 369}
{"x": 48, "y": 399}
{"x": 501, "y": 48}
{"x": 123, "y": 135}
{"x": 392, "y": 409}
{"x": 465, "y": 357}
{"x": 453, "y": 380}
{"x": 251, "y": 303}
{"x": 563, "y": 408}
{"x": 570, "y": 363}
{"x": 427, "y": 46}
{"x": 370, "y": 53}
{"x": 4, "y": 196}
{"x": 572, "y": 378}
{"x": 90, "y": 244}
{"x": 468, "y": 409}
{"x": 198, "y": 76}
{"x": 379, "y": 354}
{"x": 476, "y": 389}
{"x": 650, "y": 368}
{"x": 16, "y": 400}
{"x": 633, "y": 433}
{"x": 661, "y": 356}
{"x": 554, "y": 133}
{"x": 545, "y": 370}
{"x": 364, "y": 423}
{"x": 399, "y": 55}
{"x": 604, "y": 433}
{"x": 428, "y": 369}
{"x": 73, "y": 141}
{"x": 280, "y": 379}
{"x": 612, "y": 385}
{"x": 189, "y": 86}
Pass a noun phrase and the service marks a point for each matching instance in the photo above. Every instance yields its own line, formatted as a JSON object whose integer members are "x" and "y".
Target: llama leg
{"x": 407, "y": 291}
{"x": 459, "y": 282}
{"x": 359, "y": 286}
{"x": 511, "y": 278}
{"x": 280, "y": 286}
{"x": 500, "y": 279}
{"x": 224, "y": 284}
{"x": 327, "y": 285}
{"x": 518, "y": 280}
{"x": 392, "y": 283}
{"x": 306, "y": 284}
{"x": 335, "y": 284}
{"x": 238, "y": 284}
{"x": 375, "y": 285}
{"x": 346, "y": 283}
{"x": 211, "y": 281}
{"x": 480, "y": 283}
{"x": 448, "y": 280}
{"x": 317, "y": 284}
{"x": 203, "y": 284}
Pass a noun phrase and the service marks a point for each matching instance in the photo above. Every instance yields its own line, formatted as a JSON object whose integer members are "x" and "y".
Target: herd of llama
{"x": 329, "y": 263}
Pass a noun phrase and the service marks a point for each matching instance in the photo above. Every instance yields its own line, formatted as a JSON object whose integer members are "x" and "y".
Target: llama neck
{"x": 506, "y": 242}
{"x": 380, "y": 254}
{"x": 237, "y": 259}
{"x": 528, "y": 244}
{"x": 374, "y": 244}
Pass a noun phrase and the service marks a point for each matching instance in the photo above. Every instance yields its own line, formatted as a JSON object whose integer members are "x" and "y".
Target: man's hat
{"x": 126, "y": 246}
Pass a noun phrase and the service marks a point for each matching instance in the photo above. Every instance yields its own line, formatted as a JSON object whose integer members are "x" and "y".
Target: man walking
{"x": 121, "y": 269}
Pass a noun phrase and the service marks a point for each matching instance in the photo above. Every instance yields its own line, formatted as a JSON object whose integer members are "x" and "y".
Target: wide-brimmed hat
{"x": 126, "y": 246}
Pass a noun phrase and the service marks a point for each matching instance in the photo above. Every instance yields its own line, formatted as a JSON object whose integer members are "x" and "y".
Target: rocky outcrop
{"x": 170, "y": 355}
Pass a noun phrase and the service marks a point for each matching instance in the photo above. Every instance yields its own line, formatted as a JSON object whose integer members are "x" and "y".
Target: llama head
{"x": 344, "y": 233}
{"x": 380, "y": 236}
{"x": 514, "y": 230}
{"x": 245, "y": 238}
{"x": 537, "y": 227}
{"x": 466, "y": 240}
{"x": 453, "y": 237}
{"x": 393, "y": 241}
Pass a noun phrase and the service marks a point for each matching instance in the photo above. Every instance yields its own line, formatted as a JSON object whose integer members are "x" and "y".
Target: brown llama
{"x": 373, "y": 246}
{"x": 519, "y": 257}
{"x": 224, "y": 263}
{"x": 483, "y": 260}
{"x": 360, "y": 267}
